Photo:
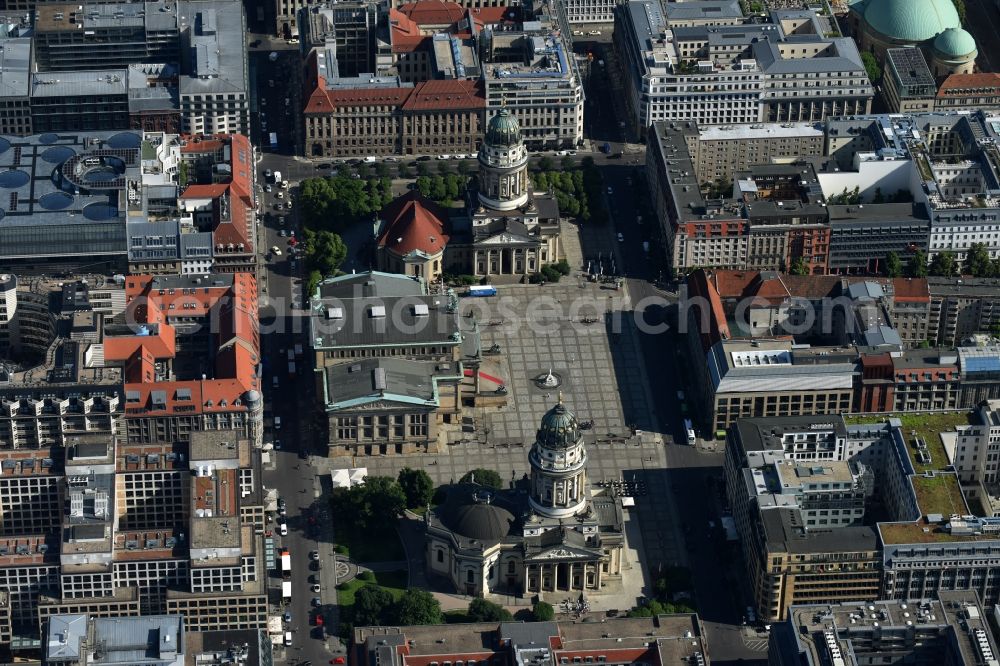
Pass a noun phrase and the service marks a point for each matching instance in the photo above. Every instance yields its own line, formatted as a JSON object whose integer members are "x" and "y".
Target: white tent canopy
{"x": 345, "y": 478}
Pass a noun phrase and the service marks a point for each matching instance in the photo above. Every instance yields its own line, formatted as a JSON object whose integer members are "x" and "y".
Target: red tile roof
{"x": 413, "y": 223}
{"x": 231, "y": 312}
{"x": 236, "y": 228}
{"x": 911, "y": 290}
{"x": 961, "y": 84}
{"x": 433, "y": 12}
{"x": 446, "y": 94}
{"x": 406, "y": 35}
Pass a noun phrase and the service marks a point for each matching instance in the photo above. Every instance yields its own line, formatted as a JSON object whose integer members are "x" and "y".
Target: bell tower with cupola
{"x": 503, "y": 164}
{"x": 558, "y": 462}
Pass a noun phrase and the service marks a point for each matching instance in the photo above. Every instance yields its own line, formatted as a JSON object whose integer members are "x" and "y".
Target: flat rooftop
{"x": 15, "y": 67}
{"x": 759, "y": 131}
{"x": 784, "y": 532}
{"x": 384, "y": 321}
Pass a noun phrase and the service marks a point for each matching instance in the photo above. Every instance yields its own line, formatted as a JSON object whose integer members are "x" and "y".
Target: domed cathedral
{"x": 933, "y": 26}
{"x": 507, "y": 229}
{"x": 548, "y": 535}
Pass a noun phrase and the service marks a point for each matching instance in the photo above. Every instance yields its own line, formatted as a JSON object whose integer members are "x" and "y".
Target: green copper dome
{"x": 559, "y": 429}
{"x": 911, "y": 20}
{"x": 954, "y": 42}
{"x": 503, "y": 130}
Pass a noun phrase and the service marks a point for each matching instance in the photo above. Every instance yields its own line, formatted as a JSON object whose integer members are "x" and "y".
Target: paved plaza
{"x": 543, "y": 329}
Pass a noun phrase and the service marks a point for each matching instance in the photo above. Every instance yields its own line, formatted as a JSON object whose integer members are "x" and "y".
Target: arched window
{"x": 440, "y": 555}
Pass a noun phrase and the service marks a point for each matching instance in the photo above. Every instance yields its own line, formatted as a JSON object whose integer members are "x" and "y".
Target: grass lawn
{"x": 393, "y": 581}
{"x": 927, "y": 426}
{"x": 939, "y": 494}
{"x": 362, "y": 547}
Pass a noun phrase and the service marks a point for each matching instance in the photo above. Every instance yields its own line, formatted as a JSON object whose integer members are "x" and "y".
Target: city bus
{"x": 482, "y": 290}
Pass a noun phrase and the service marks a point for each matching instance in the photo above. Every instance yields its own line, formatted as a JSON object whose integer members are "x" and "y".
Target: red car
{"x": 319, "y": 620}
{"x": 338, "y": 660}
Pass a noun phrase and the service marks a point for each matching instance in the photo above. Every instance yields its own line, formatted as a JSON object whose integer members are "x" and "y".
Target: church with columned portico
{"x": 548, "y": 535}
{"x": 507, "y": 228}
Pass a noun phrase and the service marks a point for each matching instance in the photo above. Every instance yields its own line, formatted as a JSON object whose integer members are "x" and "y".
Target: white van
{"x": 277, "y": 423}
{"x": 288, "y": 638}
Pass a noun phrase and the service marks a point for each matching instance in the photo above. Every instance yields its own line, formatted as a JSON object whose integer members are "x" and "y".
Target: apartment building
{"x": 531, "y": 72}
{"x": 348, "y": 29}
{"x": 938, "y": 554}
{"x": 770, "y": 218}
{"x": 675, "y": 638}
{"x": 952, "y": 628}
{"x": 811, "y": 546}
{"x": 863, "y": 235}
{"x": 907, "y": 82}
{"x": 360, "y": 325}
{"x": 287, "y": 13}
{"x": 745, "y": 379}
{"x": 654, "y": 640}
{"x": 55, "y": 386}
{"x": 189, "y": 357}
{"x": 961, "y": 308}
{"x": 80, "y": 638}
{"x": 220, "y": 202}
{"x": 717, "y": 152}
{"x": 214, "y": 79}
{"x": 735, "y": 74}
{"x": 975, "y": 456}
{"x": 97, "y": 36}
{"x": 968, "y": 92}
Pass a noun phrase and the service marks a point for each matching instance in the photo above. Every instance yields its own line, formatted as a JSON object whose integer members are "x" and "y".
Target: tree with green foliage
{"x": 563, "y": 267}
{"x": 463, "y": 168}
{"x": 871, "y": 66}
{"x": 960, "y": 9}
{"x": 416, "y": 607}
{"x": 417, "y": 486}
{"x": 423, "y": 168}
{"x": 382, "y": 169}
{"x": 544, "y": 163}
{"x": 543, "y": 612}
{"x": 444, "y": 167}
{"x": 370, "y": 605}
{"x": 482, "y": 610}
{"x": 325, "y": 251}
{"x": 438, "y": 189}
{"x": 567, "y": 164}
{"x": 374, "y": 504}
{"x": 944, "y": 264}
{"x": 977, "y": 261}
{"x": 550, "y": 274}
{"x": 654, "y": 607}
{"x": 404, "y": 171}
{"x": 893, "y": 265}
{"x": 799, "y": 267}
{"x": 917, "y": 266}
{"x": 315, "y": 277}
{"x": 484, "y": 477}
{"x": 424, "y": 185}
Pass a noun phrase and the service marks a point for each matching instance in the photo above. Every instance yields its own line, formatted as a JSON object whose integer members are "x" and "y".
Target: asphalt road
{"x": 983, "y": 23}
